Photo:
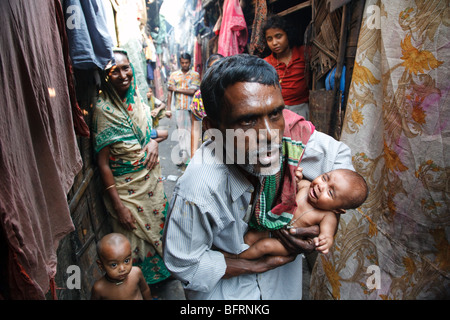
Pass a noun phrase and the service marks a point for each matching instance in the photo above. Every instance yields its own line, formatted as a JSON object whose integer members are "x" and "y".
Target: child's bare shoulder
{"x": 136, "y": 270}
{"x": 98, "y": 289}
{"x": 136, "y": 273}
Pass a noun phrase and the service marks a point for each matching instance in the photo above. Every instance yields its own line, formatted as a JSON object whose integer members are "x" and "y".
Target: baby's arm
{"x": 327, "y": 230}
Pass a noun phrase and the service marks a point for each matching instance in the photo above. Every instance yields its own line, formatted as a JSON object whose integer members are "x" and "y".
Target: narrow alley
{"x": 107, "y": 105}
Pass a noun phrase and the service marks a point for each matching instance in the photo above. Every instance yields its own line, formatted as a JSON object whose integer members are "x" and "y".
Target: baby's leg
{"x": 253, "y": 235}
{"x": 263, "y": 247}
{"x": 250, "y": 238}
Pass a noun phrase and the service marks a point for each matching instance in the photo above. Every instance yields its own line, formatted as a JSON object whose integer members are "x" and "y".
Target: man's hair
{"x": 186, "y": 56}
{"x": 361, "y": 190}
{"x": 276, "y": 22}
{"x": 231, "y": 70}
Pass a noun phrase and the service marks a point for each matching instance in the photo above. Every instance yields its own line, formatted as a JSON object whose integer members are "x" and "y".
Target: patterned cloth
{"x": 396, "y": 246}
{"x": 257, "y": 40}
{"x": 180, "y": 80}
{"x": 275, "y": 208}
{"x": 125, "y": 127}
{"x": 233, "y": 29}
{"x": 197, "y": 108}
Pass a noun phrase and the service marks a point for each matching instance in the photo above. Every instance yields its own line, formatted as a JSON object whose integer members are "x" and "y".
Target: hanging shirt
{"x": 294, "y": 87}
{"x": 233, "y": 30}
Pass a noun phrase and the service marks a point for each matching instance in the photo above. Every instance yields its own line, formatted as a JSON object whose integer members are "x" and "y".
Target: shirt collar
{"x": 238, "y": 183}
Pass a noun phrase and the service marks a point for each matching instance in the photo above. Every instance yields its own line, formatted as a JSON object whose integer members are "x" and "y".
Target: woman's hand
{"x": 125, "y": 218}
{"x": 151, "y": 160}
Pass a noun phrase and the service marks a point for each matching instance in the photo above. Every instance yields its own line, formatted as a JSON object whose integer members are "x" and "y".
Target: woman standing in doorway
{"x": 289, "y": 61}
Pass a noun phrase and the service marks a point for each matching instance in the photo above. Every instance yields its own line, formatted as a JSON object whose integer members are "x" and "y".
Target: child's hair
{"x": 359, "y": 184}
{"x": 111, "y": 239}
{"x": 276, "y": 22}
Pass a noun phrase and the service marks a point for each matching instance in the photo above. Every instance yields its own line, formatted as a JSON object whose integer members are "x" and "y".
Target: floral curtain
{"x": 396, "y": 246}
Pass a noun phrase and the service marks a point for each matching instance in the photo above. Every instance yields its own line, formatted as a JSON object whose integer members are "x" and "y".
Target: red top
{"x": 292, "y": 78}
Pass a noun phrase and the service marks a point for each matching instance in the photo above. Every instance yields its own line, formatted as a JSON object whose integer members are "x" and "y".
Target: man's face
{"x": 254, "y": 112}
{"x": 185, "y": 64}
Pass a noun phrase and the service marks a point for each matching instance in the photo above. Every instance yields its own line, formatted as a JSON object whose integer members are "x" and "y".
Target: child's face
{"x": 330, "y": 191}
{"x": 116, "y": 261}
{"x": 277, "y": 40}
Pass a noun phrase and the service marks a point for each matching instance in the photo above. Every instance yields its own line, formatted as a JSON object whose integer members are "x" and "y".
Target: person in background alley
{"x": 198, "y": 111}
{"x": 214, "y": 199}
{"x": 288, "y": 59}
{"x": 129, "y": 166}
{"x": 182, "y": 86}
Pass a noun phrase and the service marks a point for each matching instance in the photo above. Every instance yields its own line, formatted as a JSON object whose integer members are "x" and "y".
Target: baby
{"x": 318, "y": 203}
{"x": 121, "y": 281}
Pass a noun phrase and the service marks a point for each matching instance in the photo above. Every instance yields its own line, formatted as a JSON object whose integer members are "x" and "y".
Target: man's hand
{"x": 298, "y": 240}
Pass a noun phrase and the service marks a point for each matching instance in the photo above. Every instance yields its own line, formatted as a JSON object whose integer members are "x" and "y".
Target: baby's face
{"x": 329, "y": 191}
{"x": 116, "y": 261}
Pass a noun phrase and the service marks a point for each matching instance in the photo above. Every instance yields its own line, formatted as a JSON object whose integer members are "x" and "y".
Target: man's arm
{"x": 237, "y": 267}
{"x": 189, "y": 92}
{"x": 188, "y": 239}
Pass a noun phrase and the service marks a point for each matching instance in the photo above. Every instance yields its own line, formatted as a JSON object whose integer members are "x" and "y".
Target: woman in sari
{"x": 129, "y": 167}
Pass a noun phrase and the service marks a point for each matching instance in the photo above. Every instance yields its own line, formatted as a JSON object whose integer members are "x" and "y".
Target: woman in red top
{"x": 289, "y": 61}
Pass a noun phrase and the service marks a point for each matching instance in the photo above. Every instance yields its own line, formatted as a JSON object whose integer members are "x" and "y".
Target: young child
{"x": 121, "y": 281}
{"x": 318, "y": 203}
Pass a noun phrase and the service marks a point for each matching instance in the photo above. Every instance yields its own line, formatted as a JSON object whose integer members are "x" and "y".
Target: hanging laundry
{"x": 233, "y": 30}
{"x": 90, "y": 42}
{"x": 257, "y": 40}
{"x": 39, "y": 152}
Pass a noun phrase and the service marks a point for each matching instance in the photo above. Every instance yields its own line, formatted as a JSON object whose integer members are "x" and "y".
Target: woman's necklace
{"x": 291, "y": 224}
{"x": 285, "y": 70}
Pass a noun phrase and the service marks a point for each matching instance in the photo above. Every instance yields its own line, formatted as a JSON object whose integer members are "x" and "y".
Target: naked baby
{"x": 319, "y": 202}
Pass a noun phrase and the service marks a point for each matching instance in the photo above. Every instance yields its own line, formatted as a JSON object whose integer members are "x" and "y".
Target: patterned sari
{"x": 124, "y": 126}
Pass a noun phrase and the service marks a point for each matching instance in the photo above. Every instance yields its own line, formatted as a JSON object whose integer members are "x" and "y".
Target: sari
{"x": 125, "y": 126}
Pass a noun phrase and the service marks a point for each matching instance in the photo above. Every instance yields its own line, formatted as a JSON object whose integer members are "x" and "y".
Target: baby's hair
{"x": 361, "y": 189}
